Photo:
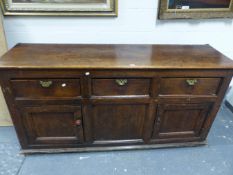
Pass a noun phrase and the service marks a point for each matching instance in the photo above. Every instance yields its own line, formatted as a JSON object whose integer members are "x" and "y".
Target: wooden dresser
{"x": 110, "y": 97}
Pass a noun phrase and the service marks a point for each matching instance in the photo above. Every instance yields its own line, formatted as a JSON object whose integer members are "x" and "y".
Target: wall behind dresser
{"x": 4, "y": 114}
{"x": 137, "y": 23}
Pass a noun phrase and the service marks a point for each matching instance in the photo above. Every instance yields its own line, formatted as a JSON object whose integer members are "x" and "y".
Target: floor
{"x": 213, "y": 159}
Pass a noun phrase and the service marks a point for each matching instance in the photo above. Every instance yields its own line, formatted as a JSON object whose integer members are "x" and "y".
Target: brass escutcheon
{"x": 191, "y": 82}
{"x": 46, "y": 84}
{"x": 121, "y": 82}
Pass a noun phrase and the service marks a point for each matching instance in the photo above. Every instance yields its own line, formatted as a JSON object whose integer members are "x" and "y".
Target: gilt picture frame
{"x": 195, "y": 9}
{"x": 60, "y": 7}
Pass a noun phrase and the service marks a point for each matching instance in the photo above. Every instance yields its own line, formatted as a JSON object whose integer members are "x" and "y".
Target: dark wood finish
{"x": 58, "y": 88}
{"x": 109, "y": 87}
{"x": 121, "y": 121}
{"x": 180, "y": 120}
{"x": 179, "y": 86}
{"x": 111, "y": 97}
{"x": 60, "y": 56}
{"x": 51, "y": 125}
{"x": 111, "y": 148}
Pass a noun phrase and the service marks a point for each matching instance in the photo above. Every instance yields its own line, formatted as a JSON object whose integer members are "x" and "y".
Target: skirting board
{"x": 112, "y": 148}
{"x": 5, "y": 120}
{"x": 229, "y": 105}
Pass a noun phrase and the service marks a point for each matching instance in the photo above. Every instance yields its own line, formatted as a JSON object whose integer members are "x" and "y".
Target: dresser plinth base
{"x": 113, "y": 148}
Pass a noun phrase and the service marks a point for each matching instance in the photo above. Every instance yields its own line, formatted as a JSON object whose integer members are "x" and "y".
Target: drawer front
{"x": 121, "y": 86}
{"x": 189, "y": 86}
{"x": 46, "y": 88}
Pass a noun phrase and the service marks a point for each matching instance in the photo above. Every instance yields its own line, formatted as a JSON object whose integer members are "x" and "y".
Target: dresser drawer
{"x": 190, "y": 86}
{"x": 121, "y": 86}
{"x": 46, "y": 88}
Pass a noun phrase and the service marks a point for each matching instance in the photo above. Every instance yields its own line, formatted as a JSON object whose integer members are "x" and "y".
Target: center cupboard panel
{"x": 115, "y": 122}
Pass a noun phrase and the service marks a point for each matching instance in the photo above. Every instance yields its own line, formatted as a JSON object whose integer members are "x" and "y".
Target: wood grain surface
{"x": 114, "y": 57}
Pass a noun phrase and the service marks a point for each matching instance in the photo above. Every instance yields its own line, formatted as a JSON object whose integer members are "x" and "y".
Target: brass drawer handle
{"x": 121, "y": 82}
{"x": 191, "y": 82}
{"x": 46, "y": 84}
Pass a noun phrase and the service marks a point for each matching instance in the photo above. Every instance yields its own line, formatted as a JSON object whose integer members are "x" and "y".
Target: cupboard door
{"x": 53, "y": 125}
{"x": 180, "y": 120}
{"x": 118, "y": 123}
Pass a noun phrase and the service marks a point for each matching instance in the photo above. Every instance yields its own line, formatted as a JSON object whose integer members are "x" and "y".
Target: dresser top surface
{"x": 68, "y": 56}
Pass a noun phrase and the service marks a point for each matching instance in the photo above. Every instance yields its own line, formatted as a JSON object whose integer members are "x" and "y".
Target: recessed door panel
{"x": 118, "y": 121}
{"x": 180, "y": 120}
{"x": 53, "y": 124}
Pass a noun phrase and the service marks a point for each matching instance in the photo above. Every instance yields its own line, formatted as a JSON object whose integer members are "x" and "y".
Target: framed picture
{"x": 60, "y": 7}
{"x": 196, "y": 9}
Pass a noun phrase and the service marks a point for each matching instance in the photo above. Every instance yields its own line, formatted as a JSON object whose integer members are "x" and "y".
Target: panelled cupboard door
{"x": 118, "y": 123}
{"x": 174, "y": 121}
{"x": 53, "y": 125}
